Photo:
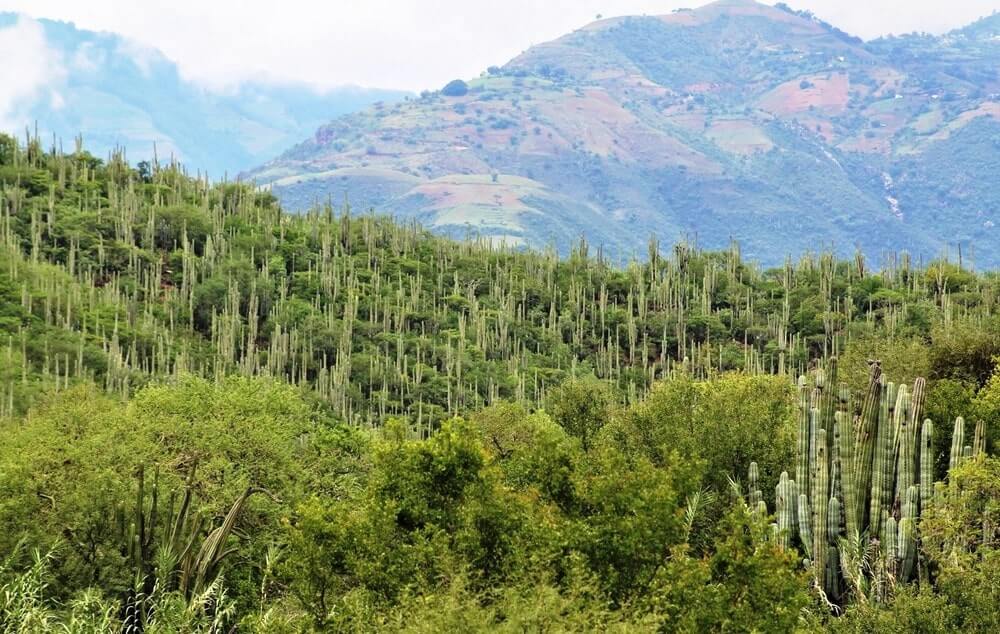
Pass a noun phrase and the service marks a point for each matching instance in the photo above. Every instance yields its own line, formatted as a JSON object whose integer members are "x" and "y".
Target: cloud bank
{"x": 410, "y": 44}
{"x": 32, "y": 71}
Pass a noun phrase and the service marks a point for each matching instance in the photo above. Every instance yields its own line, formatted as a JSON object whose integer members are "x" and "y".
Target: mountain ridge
{"x": 118, "y": 93}
{"x": 734, "y": 120}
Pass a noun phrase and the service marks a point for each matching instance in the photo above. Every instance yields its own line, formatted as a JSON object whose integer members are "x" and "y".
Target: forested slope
{"x": 118, "y": 275}
{"x": 220, "y": 415}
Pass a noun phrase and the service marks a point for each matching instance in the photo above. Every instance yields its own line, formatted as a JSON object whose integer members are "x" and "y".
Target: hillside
{"x": 118, "y": 93}
{"x": 218, "y": 416}
{"x": 734, "y": 120}
{"x": 118, "y": 275}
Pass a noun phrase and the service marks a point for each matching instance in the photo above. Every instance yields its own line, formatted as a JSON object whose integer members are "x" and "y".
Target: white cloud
{"x": 30, "y": 70}
{"x": 412, "y": 44}
{"x": 88, "y": 58}
{"x": 141, "y": 54}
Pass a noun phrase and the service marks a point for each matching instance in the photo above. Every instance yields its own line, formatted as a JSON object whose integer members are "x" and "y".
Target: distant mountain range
{"x": 735, "y": 120}
{"x": 116, "y": 92}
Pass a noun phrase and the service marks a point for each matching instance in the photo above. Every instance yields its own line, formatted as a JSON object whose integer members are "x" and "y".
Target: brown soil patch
{"x": 829, "y": 93}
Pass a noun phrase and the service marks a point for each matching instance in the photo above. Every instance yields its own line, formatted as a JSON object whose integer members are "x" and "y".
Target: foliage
{"x": 582, "y": 407}
{"x": 220, "y": 416}
{"x": 960, "y": 540}
{"x": 71, "y": 465}
{"x": 747, "y": 585}
{"x": 455, "y": 88}
{"x": 727, "y": 422}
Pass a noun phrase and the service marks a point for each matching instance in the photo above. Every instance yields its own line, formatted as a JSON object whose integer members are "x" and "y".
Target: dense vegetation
{"x": 217, "y": 415}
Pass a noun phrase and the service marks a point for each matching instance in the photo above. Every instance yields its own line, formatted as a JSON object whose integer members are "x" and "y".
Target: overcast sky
{"x": 408, "y": 44}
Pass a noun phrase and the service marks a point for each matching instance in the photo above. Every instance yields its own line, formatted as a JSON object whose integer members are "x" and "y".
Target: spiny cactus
{"x": 926, "y": 464}
{"x": 848, "y": 473}
{"x": 957, "y": 444}
{"x": 785, "y": 501}
{"x": 866, "y": 484}
{"x": 802, "y": 452}
{"x": 979, "y": 441}
{"x": 890, "y": 542}
{"x": 832, "y": 573}
{"x": 805, "y": 524}
{"x": 905, "y": 447}
{"x": 910, "y": 514}
{"x": 754, "y": 482}
{"x": 821, "y": 502}
{"x": 864, "y": 445}
{"x": 878, "y": 507}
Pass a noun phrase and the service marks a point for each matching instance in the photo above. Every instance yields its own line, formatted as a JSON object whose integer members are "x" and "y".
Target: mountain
{"x": 734, "y": 120}
{"x": 118, "y": 93}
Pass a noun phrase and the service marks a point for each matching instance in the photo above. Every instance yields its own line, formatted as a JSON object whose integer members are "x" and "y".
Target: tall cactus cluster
{"x": 120, "y": 277}
{"x": 859, "y": 479}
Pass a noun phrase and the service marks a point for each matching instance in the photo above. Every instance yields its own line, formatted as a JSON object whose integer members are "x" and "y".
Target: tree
{"x": 727, "y": 422}
{"x": 72, "y": 465}
{"x": 747, "y": 584}
{"x": 582, "y": 406}
{"x": 455, "y": 88}
{"x": 8, "y": 146}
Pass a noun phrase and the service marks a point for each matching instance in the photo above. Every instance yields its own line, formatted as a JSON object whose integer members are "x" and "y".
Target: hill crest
{"x": 736, "y": 119}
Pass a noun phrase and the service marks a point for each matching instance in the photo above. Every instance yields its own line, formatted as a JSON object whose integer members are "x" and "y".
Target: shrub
{"x": 455, "y": 88}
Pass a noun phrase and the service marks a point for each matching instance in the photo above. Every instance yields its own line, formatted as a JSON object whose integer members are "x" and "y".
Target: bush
{"x": 455, "y": 88}
{"x": 72, "y": 465}
{"x": 8, "y": 146}
{"x": 726, "y": 422}
{"x": 581, "y": 406}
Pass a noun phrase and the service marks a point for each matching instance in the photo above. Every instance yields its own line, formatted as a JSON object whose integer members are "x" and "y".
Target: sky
{"x": 401, "y": 44}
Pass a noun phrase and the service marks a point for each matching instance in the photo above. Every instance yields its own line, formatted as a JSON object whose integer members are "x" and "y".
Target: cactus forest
{"x": 222, "y": 417}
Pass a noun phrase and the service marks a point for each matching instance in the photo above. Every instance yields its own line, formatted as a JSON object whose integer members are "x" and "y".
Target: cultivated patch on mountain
{"x": 737, "y": 119}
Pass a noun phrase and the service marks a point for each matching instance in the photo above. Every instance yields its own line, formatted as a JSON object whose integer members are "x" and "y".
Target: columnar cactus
{"x": 821, "y": 503}
{"x": 883, "y": 461}
{"x": 836, "y": 487}
{"x": 831, "y": 578}
{"x": 907, "y": 533}
{"x": 979, "y": 441}
{"x": 905, "y": 446}
{"x": 917, "y": 398}
{"x": 755, "y": 494}
{"x": 847, "y": 477}
{"x": 802, "y": 447}
{"x": 814, "y": 442}
{"x": 926, "y": 464}
{"x": 890, "y": 542}
{"x": 864, "y": 445}
{"x": 906, "y": 548}
{"x": 826, "y": 382}
{"x": 805, "y": 524}
{"x": 785, "y": 508}
{"x": 957, "y": 443}
{"x": 870, "y": 480}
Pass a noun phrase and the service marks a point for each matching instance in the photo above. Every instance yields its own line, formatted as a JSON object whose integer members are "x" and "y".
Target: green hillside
{"x": 219, "y": 416}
